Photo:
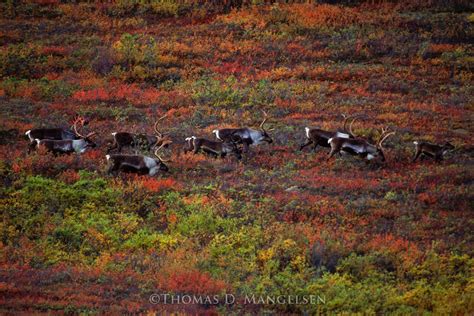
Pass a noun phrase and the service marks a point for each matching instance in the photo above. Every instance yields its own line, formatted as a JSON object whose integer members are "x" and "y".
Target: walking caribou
{"x": 359, "y": 146}
{"x": 138, "y": 164}
{"x": 215, "y": 148}
{"x": 246, "y": 135}
{"x": 431, "y": 150}
{"x": 142, "y": 141}
{"x": 317, "y": 136}
{"x": 67, "y": 146}
{"x": 57, "y": 133}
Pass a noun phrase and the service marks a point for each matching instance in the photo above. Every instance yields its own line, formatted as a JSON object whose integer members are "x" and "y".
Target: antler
{"x": 74, "y": 125}
{"x": 350, "y": 126}
{"x": 264, "y": 120}
{"x": 78, "y": 119}
{"x": 354, "y": 117}
{"x": 155, "y": 127}
{"x": 346, "y": 118}
{"x": 161, "y": 146}
{"x": 79, "y": 134}
{"x": 383, "y": 136}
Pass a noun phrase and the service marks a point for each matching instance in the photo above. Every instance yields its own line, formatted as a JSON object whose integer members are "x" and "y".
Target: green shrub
{"x": 212, "y": 92}
{"x": 20, "y": 61}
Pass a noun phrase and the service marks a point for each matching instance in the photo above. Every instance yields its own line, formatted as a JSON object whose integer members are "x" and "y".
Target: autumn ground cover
{"x": 392, "y": 238}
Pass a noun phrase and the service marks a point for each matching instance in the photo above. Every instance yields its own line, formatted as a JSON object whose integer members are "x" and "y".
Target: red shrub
{"x": 69, "y": 176}
{"x": 158, "y": 185}
{"x": 427, "y": 198}
{"x": 55, "y": 51}
{"x": 98, "y": 94}
{"x": 193, "y": 282}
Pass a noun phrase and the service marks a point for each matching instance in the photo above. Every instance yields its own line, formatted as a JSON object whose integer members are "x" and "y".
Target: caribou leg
{"x": 417, "y": 154}
{"x": 309, "y": 142}
{"x": 246, "y": 146}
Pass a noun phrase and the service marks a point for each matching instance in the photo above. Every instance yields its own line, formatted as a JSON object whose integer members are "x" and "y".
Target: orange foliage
{"x": 69, "y": 176}
{"x": 158, "y": 185}
{"x": 389, "y": 243}
{"x": 427, "y": 198}
{"x": 324, "y": 15}
{"x": 55, "y": 50}
{"x": 193, "y": 282}
{"x": 131, "y": 93}
{"x": 98, "y": 94}
{"x": 441, "y": 48}
{"x": 31, "y": 92}
{"x": 93, "y": 154}
{"x": 52, "y": 75}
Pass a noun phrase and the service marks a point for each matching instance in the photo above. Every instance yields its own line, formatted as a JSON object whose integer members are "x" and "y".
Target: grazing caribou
{"x": 321, "y": 137}
{"x": 57, "y": 133}
{"x": 137, "y": 163}
{"x": 215, "y": 148}
{"x": 431, "y": 150}
{"x": 359, "y": 147}
{"x": 247, "y": 136}
{"x": 67, "y": 146}
{"x": 142, "y": 141}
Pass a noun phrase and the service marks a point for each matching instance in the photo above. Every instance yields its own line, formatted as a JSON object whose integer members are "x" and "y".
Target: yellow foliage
{"x": 266, "y": 254}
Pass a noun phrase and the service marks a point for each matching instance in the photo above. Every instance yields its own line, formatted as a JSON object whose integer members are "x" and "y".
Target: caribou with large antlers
{"x": 137, "y": 163}
{"x": 317, "y": 136}
{"x": 143, "y": 141}
{"x": 57, "y": 133}
{"x": 359, "y": 146}
{"x": 246, "y": 135}
{"x": 67, "y": 146}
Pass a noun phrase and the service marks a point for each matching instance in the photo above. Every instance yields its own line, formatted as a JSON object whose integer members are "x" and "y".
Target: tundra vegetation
{"x": 378, "y": 238}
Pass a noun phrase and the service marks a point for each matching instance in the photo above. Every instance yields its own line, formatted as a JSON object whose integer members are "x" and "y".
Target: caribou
{"x": 139, "y": 164}
{"x": 247, "y": 136}
{"x": 431, "y": 150}
{"x": 215, "y": 148}
{"x": 67, "y": 146}
{"x": 316, "y": 136}
{"x": 359, "y": 146}
{"x": 143, "y": 141}
{"x": 57, "y": 133}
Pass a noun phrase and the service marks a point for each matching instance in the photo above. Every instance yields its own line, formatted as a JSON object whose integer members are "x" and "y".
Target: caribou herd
{"x": 229, "y": 141}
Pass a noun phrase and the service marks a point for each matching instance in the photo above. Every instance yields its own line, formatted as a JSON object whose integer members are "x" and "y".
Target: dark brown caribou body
{"x": 57, "y": 133}
{"x": 138, "y": 140}
{"x": 67, "y": 146}
{"x": 431, "y": 150}
{"x": 138, "y": 164}
{"x": 247, "y": 136}
{"x": 215, "y": 148}
{"x": 359, "y": 147}
{"x": 135, "y": 164}
{"x": 319, "y": 137}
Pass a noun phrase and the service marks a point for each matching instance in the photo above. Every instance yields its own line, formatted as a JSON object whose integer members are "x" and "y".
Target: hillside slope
{"x": 376, "y": 238}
